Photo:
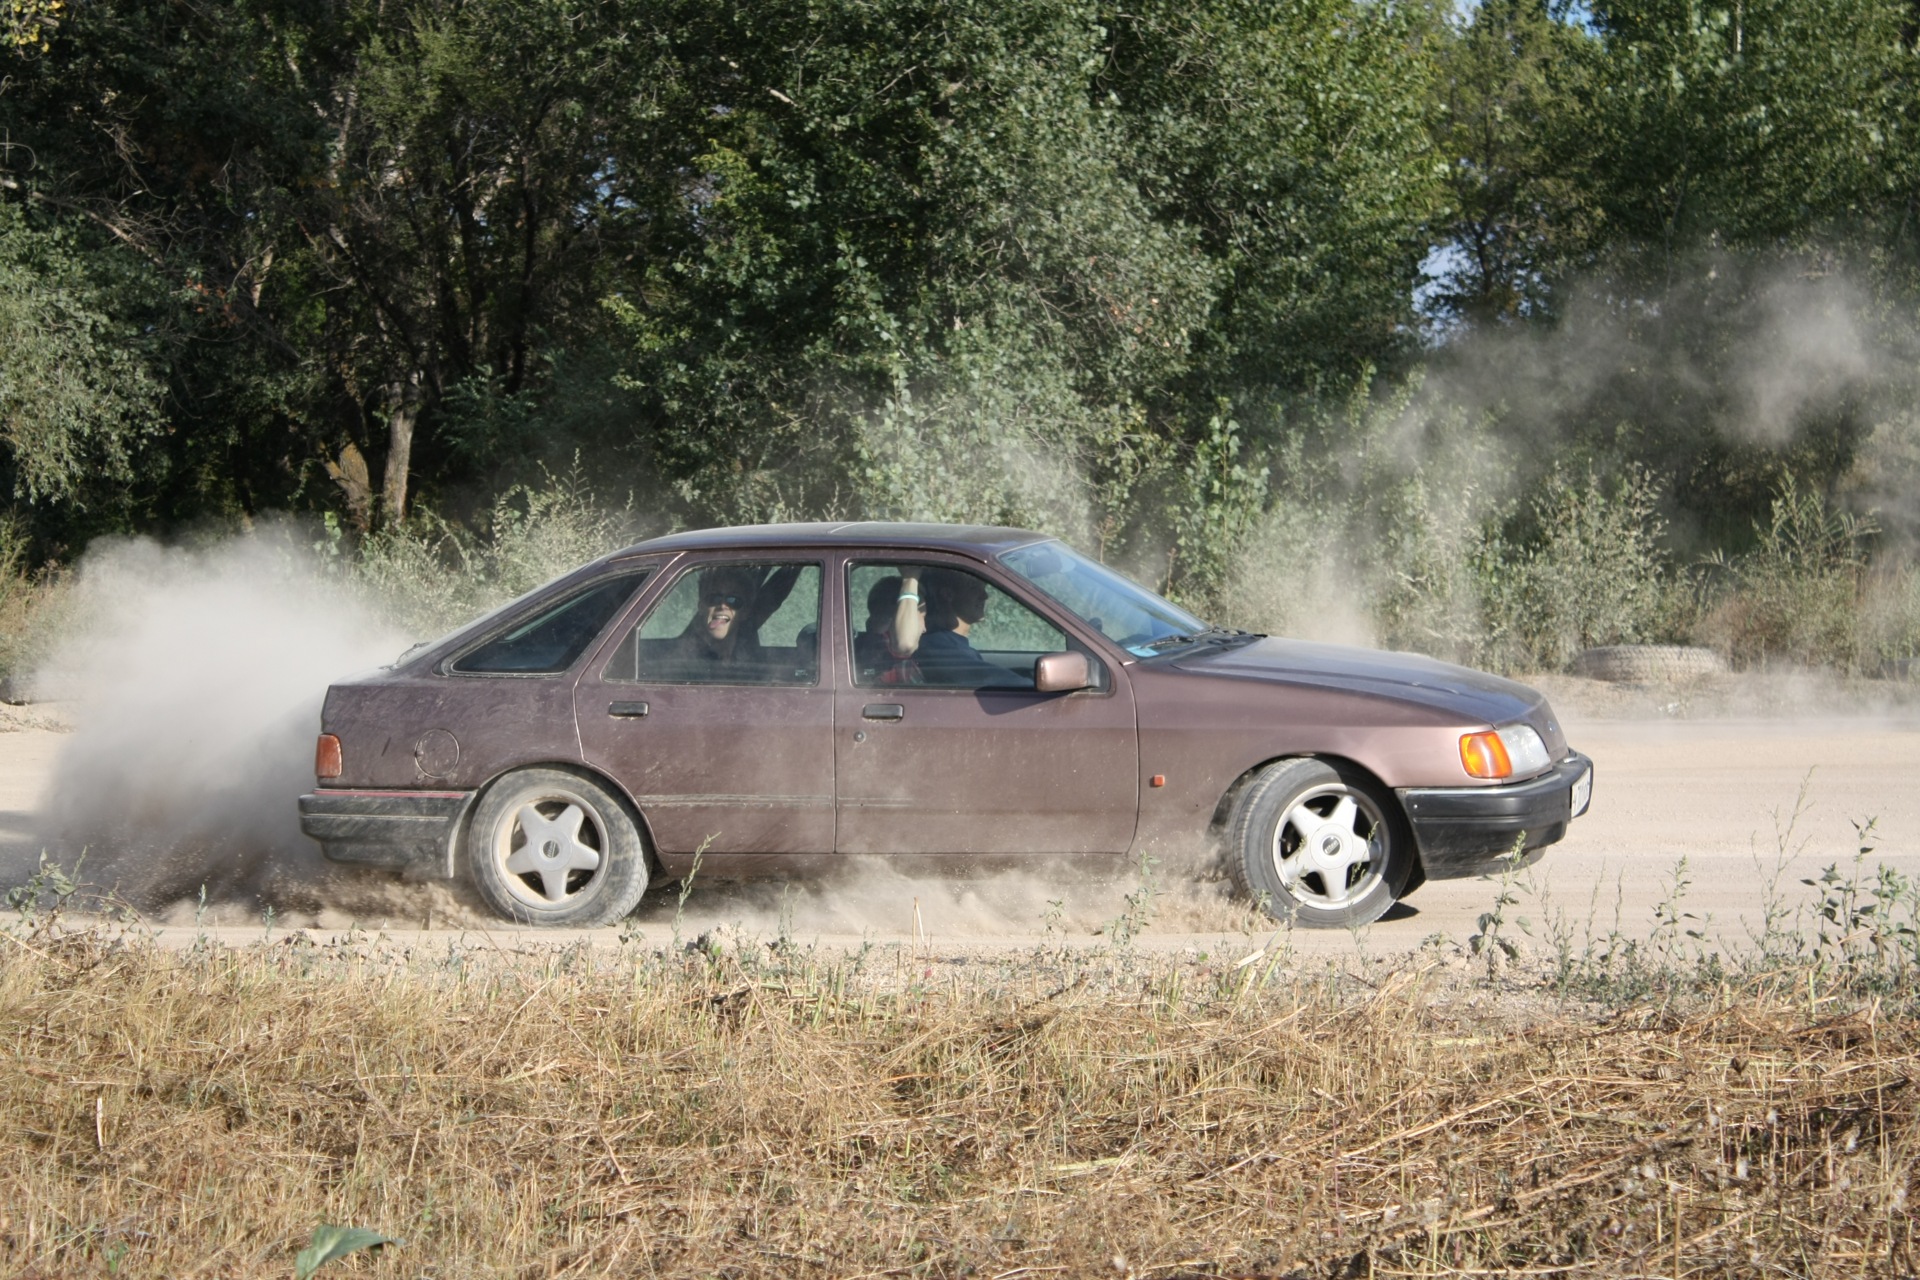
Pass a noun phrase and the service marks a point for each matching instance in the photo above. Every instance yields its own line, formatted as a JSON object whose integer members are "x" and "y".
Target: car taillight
{"x": 326, "y": 757}
{"x": 1485, "y": 756}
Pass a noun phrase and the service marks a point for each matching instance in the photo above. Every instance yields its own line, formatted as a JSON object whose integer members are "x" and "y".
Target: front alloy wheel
{"x": 549, "y": 847}
{"x": 1320, "y": 845}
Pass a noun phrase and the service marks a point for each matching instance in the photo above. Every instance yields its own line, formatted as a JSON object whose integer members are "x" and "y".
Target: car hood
{"x": 1404, "y": 677}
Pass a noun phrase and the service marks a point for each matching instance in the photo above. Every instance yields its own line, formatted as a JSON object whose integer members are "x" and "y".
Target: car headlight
{"x": 1502, "y": 753}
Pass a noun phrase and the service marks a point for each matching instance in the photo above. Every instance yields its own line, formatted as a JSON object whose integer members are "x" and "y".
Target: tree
{"x": 913, "y": 212}
{"x": 77, "y": 392}
{"x": 491, "y": 166}
{"x": 371, "y": 205}
{"x": 1519, "y": 219}
{"x": 29, "y": 24}
{"x": 1761, "y": 123}
{"x": 1290, "y": 142}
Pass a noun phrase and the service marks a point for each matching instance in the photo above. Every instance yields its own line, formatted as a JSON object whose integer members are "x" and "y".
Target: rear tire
{"x": 1320, "y": 844}
{"x": 555, "y": 849}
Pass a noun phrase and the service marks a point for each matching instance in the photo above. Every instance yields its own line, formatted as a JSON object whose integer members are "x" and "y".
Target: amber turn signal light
{"x": 1485, "y": 756}
{"x": 326, "y": 757}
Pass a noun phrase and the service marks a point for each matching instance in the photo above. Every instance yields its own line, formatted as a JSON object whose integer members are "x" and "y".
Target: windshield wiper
{"x": 1198, "y": 637}
{"x": 410, "y": 651}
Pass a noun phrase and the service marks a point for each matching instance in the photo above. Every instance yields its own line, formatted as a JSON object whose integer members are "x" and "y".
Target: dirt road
{"x": 1720, "y": 793}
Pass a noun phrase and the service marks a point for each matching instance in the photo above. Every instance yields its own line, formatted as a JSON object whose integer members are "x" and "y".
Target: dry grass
{"x": 765, "y": 1113}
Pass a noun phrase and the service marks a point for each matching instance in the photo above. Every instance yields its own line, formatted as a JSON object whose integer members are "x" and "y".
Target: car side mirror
{"x": 1061, "y": 672}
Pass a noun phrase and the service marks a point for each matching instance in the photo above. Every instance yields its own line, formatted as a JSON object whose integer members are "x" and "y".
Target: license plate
{"x": 1582, "y": 793}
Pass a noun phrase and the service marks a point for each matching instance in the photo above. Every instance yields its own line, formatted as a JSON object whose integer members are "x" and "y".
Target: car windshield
{"x": 1122, "y": 610}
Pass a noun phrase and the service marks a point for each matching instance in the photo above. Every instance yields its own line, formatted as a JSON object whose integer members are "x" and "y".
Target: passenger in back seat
{"x": 896, "y": 619}
{"x": 716, "y": 645}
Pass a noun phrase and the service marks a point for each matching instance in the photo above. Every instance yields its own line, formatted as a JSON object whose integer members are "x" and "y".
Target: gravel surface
{"x": 1673, "y": 782}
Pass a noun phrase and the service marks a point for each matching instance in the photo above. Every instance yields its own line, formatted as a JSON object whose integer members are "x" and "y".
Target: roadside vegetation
{"x": 1498, "y": 331}
{"x": 746, "y": 1106}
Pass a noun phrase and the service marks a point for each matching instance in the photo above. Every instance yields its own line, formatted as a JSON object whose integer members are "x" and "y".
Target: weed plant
{"x": 432, "y": 574}
{"x": 1854, "y": 936}
{"x": 768, "y": 1109}
{"x": 1795, "y": 597}
{"x": 1890, "y": 620}
{"x": 31, "y": 605}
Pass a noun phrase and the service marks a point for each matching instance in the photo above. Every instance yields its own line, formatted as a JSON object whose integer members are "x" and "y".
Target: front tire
{"x": 1320, "y": 844}
{"x": 556, "y": 849}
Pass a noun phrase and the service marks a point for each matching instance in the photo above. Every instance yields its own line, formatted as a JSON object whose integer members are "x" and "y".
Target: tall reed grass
{"x": 767, "y": 1111}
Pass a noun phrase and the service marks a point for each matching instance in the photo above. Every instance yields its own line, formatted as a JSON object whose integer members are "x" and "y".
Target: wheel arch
{"x": 1223, "y": 808}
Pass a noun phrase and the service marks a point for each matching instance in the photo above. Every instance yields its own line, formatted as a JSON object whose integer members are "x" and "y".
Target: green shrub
{"x": 1387, "y": 524}
{"x": 1587, "y": 566}
{"x": 1218, "y": 504}
{"x": 31, "y": 605}
{"x": 1795, "y": 597}
{"x": 1000, "y": 450}
{"x": 432, "y": 575}
{"x": 1422, "y": 571}
{"x": 1889, "y": 617}
{"x": 1294, "y": 576}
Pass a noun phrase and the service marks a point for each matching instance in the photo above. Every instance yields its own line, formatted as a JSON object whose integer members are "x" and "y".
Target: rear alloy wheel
{"x": 553, "y": 848}
{"x": 1320, "y": 844}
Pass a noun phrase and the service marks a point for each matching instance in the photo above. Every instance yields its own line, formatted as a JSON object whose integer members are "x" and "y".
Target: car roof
{"x": 979, "y": 539}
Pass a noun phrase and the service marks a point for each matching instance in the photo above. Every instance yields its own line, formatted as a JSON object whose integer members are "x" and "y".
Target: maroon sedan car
{"x": 774, "y": 699}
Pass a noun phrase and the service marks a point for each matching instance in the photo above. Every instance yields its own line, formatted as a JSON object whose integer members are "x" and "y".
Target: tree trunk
{"x": 403, "y": 401}
{"x": 350, "y": 473}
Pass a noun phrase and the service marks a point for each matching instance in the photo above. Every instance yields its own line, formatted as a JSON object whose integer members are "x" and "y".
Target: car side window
{"x": 553, "y": 638}
{"x": 754, "y": 622}
{"x": 971, "y": 634}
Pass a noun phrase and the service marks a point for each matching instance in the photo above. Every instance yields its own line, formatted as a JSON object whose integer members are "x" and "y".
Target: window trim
{"x": 723, "y": 561}
{"x": 641, "y": 574}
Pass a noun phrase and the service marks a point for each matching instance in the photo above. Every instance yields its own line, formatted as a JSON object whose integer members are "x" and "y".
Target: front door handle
{"x": 631, "y": 710}
{"x": 884, "y": 711}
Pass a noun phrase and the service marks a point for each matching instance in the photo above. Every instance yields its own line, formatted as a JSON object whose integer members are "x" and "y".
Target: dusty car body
{"x": 715, "y": 694}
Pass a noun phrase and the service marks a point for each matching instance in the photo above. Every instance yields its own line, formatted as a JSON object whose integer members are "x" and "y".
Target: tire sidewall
{"x": 1264, "y": 807}
{"x": 617, "y": 884}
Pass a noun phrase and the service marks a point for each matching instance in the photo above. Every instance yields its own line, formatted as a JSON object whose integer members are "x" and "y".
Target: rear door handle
{"x": 632, "y": 710}
{"x": 884, "y": 711}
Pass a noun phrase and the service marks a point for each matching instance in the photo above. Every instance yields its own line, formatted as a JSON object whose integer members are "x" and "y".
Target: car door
{"x": 944, "y": 756}
{"x": 726, "y": 748}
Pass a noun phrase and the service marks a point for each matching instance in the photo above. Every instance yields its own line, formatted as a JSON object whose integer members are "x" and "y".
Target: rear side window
{"x": 554, "y": 638}
{"x": 749, "y": 623}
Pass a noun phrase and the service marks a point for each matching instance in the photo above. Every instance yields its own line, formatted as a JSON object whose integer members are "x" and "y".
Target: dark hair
{"x": 883, "y": 597}
{"x": 953, "y": 597}
{"x": 731, "y": 580}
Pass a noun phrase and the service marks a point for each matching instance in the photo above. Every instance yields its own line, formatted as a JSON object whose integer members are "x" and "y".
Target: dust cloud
{"x": 1754, "y": 352}
{"x": 194, "y": 676}
{"x": 871, "y": 896}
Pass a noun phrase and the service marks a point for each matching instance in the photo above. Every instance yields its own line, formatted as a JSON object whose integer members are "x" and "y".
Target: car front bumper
{"x": 1469, "y": 831}
{"x": 410, "y": 830}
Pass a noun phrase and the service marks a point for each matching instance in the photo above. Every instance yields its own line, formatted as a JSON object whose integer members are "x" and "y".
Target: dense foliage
{"x": 1185, "y": 281}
